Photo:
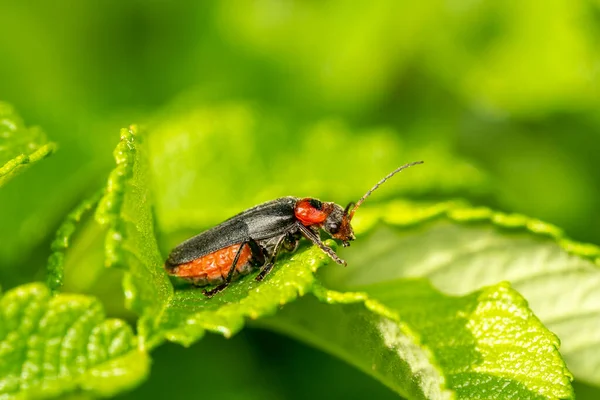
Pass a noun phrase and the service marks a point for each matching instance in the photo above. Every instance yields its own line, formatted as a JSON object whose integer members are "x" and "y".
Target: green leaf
{"x": 405, "y": 354}
{"x": 55, "y": 345}
{"x": 62, "y": 241}
{"x": 19, "y": 146}
{"x": 130, "y": 240}
{"x": 489, "y": 343}
{"x": 189, "y": 314}
{"x": 366, "y": 334}
{"x": 126, "y": 207}
{"x": 427, "y": 345}
{"x": 461, "y": 249}
{"x": 183, "y": 316}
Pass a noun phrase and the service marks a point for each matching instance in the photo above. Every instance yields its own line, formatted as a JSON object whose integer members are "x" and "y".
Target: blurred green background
{"x": 510, "y": 86}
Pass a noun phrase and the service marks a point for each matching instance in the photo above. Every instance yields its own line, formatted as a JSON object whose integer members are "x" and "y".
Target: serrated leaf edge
{"x": 459, "y": 211}
{"x": 10, "y": 168}
{"x": 231, "y": 313}
{"x": 62, "y": 241}
{"x": 109, "y": 206}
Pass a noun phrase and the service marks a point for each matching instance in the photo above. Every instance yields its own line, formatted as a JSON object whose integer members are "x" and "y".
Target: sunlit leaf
{"x": 130, "y": 241}
{"x": 419, "y": 367}
{"x": 424, "y": 344}
{"x": 461, "y": 249}
{"x": 55, "y": 345}
{"x": 20, "y": 146}
{"x": 62, "y": 241}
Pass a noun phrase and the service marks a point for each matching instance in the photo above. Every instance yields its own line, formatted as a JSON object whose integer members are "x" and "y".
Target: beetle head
{"x": 338, "y": 225}
{"x": 331, "y": 217}
{"x": 328, "y": 216}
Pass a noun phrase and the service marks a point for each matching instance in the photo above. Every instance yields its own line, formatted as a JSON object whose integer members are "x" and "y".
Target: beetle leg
{"x": 269, "y": 265}
{"x": 264, "y": 271}
{"x": 291, "y": 242}
{"x": 310, "y": 235}
{"x": 222, "y": 286}
{"x": 258, "y": 253}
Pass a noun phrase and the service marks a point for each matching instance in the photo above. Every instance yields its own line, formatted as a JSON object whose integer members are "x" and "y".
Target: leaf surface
{"x": 62, "y": 241}
{"x": 427, "y": 345}
{"x": 485, "y": 342}
{"x": 461, "y": 248}
{"x": 20, "y": 146}
{"x": 55, "y": 345}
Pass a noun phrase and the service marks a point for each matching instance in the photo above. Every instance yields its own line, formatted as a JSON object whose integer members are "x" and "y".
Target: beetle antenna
{"x": 388, "y": 176}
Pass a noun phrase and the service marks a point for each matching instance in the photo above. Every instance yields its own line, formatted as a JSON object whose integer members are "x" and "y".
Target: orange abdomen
{"x": 213, "y": 268}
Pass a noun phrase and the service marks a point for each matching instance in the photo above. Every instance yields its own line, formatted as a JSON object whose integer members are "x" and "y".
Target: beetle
{"x": 253, "y": 238}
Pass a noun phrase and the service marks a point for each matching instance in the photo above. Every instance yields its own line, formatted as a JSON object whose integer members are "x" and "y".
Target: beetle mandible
{"x": 253, "y": 238}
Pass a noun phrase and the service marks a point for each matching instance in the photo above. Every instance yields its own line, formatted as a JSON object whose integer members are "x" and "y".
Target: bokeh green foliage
{"x": 20, "y": 146}
{"x": 326, "y": 97}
